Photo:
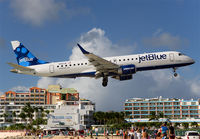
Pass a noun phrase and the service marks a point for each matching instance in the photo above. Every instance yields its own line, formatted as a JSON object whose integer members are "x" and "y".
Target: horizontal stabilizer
{"x": 21, "y": 68}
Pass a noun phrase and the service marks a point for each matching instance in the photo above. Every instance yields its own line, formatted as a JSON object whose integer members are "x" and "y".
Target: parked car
{"x": 191, "y": 135}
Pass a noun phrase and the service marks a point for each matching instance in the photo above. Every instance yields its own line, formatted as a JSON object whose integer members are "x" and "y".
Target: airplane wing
{"x": 21, "y": 68}
{"x": 102, "y": 65}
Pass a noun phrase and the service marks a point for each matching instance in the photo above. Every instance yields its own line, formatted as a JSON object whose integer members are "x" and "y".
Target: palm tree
{"x": 121, "y": 115}
{"x": 127, "y": 114}
{"x": 185, "y": 125}
{"x": 111, "y": 117}
{"x": 41, "y": 109}
{"x": 42, "y": 115}
{"x": 153, "y": 116}
{"x": 14, "y": 116}
{"x": 194, "y": 124}
{"x": 99, "y": 116}
{"x": 161, "y": 115}
{"x": 95, "y": 117}
{"x": 36, "y": 111}
{"x": 5, "y": 115}
{"x": 116, "y": 117}
{"x": 28, "y": 110}
{"x": 47, "y": 112}
{"x": 177, "y": 124}
{"x": 23, "y": 116}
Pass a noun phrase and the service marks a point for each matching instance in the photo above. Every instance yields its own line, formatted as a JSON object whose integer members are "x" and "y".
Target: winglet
{"x": 83, "y": 50}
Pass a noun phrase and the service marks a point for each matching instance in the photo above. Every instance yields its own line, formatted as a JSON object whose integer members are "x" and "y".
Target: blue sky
{"x": 51, "y": 29}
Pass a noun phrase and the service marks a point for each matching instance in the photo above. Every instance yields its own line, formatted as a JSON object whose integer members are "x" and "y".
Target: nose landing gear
{"x": 105, "y": 81}
{"x": 174, "y": 70}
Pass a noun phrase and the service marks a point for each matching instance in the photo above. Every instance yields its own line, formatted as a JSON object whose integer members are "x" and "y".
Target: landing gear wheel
{"x": 105, "y": 81}
{"x": 104, "y": 84}
{"x": 174, "y": 70}
{"x": 175, "y": 74}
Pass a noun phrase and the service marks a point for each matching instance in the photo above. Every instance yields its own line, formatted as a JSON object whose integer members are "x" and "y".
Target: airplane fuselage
{"x": 83, "y": 68}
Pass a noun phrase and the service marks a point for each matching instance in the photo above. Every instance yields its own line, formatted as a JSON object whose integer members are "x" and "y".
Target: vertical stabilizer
{"x": 24, "y": 56}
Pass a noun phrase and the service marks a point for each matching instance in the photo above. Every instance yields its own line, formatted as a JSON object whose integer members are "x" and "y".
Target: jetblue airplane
{"x": 118, "y": 67}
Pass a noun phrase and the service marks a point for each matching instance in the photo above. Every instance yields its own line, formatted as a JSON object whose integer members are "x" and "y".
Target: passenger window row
{"x": 127, "y": 59}
{"x": 71, "y": 65}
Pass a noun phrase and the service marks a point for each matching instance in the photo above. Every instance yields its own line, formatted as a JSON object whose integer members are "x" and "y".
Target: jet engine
{"x": 127, "y": 69}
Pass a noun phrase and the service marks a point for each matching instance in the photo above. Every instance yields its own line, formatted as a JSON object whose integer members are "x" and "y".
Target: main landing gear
{"x": 174, "y": 70}
{"x": 105, "y": 81}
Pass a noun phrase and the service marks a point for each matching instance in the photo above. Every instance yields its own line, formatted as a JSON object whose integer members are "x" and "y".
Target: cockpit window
{"x": 180, "y": 54}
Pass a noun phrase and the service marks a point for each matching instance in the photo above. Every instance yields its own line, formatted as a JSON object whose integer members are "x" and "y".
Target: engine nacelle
{"x": 127, "y": 69}
{"x": 125, "y": 77}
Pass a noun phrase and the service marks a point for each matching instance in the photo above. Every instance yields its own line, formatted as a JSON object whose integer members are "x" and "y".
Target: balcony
{"x": 194, "y": 114}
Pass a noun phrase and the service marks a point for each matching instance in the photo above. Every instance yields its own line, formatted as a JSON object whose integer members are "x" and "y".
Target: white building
{"x": 78, "y": 116}
{"x": 178, "y": 110}
{"x": 11, "y": 107}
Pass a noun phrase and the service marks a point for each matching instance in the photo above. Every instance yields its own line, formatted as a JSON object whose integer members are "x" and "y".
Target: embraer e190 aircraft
{"x": 118, "y": 67}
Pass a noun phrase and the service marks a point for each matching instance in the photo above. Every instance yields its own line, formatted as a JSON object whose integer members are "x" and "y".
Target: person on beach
{"x": 144, "y": 134}
{"x": 138, "y": 134}
{"x": 171, "y": 132}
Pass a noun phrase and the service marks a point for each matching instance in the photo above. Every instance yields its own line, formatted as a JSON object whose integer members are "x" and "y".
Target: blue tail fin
{"x": 24, "y": 56}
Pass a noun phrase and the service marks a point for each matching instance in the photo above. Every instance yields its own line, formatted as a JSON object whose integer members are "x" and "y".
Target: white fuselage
{"x": 83, "y": 68}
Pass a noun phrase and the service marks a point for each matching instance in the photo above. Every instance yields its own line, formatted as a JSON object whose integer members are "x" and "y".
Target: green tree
{"x": 117, "y": 117}
{"x": 14, "y": 116}
{"x": 39, "y": 121}
{"x": 29, "y": 111}
{"x": 153, "y": 116}
{"x": 99, "y": 116}
{"x": 185, "y": 125}
{"x": 127, "y": 115}
{"x": 111, "y": 119}
{"x": 36, "y": 110}
{"x": 194, "y": 124}
{"x": 5, "y": 115}
{"x": 121, "y": 117}
{"x": 177, "y": 124}
{"x": 47, "y": 112}
{"x": 161, "y": 115}
{"x": 23, "y": 116}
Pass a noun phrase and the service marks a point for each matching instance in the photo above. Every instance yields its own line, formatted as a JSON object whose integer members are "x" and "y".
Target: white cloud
{"x": 195, "y": 86}
{"x": 165, "y": 39}
{"x": 144, "y": 84}
{"x": 20, "y": 88}
{"x": 37, "y": 12}
{"x": 96, "y": 42}
{"x": 43, "y": 82}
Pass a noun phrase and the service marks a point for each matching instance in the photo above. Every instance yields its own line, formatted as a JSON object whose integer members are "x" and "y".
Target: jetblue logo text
{"x": 26, "y": 59}
{"x": 150, "y": 57}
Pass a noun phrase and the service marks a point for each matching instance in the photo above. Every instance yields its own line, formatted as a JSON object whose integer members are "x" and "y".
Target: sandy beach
{"x": 21, "y": 135}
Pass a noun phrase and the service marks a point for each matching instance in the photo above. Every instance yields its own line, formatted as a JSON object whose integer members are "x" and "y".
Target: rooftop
{"x": 156, "y": 99}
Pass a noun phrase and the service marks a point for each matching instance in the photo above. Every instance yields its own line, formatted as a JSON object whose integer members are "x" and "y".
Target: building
{"x": 10, "y": 108}
{"x": 56, "y": 93}
{"x": 139, "y": 109}
{"x": 49, "y": 99}
{"x": 39, "y": 96}
{"x": 77, "y": 116}
{"x": 35, "y": 96}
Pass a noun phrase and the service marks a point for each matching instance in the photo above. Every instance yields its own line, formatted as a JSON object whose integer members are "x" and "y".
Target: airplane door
{"x": 171, "y": 57}
{"x": 51, "y": 68}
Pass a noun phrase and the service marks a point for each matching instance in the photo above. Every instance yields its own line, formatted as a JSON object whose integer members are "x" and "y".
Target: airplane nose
{"x": 192, "y": 61}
